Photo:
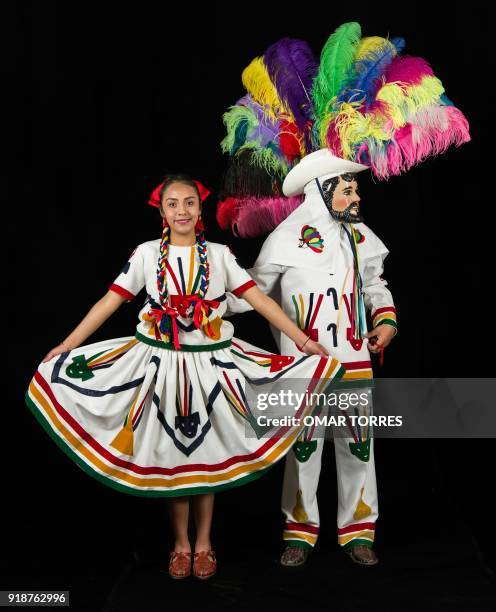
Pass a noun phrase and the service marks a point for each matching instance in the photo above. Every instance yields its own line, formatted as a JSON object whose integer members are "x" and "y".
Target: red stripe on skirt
{"x": 138, "y": 469}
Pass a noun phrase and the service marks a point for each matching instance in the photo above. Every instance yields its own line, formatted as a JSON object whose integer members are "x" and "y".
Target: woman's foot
{"x": 180, "y": 564}
{"x": 204, "y": 564}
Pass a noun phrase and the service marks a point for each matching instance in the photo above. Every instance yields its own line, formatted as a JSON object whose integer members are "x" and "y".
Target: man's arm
{"x": 379, "y": 301}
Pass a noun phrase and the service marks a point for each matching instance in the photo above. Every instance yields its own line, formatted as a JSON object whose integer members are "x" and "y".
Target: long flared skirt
{"x": 151, "y": 421}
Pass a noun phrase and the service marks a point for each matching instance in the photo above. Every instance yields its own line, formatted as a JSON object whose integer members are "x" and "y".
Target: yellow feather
{"x": 257, "y": 82}
{"x": 403, "y": 101}
{"x": 353, "y": 127}
{"x": 349, "y": 123}
{"x": 370, "y": 44}
{"x": 428, "y": 91}
{"x": 323, "y": 128}
{"x": 399, "y": 105}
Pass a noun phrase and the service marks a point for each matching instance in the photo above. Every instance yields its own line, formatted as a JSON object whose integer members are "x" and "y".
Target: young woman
{"x": 165, "y": 413}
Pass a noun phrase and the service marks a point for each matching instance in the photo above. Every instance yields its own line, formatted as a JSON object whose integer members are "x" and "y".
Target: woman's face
{"x": 180, "y": 208}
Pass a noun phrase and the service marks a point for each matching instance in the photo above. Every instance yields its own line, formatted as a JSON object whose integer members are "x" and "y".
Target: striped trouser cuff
{"x": 300, "y": 534}
{"x": 356, "y": 534}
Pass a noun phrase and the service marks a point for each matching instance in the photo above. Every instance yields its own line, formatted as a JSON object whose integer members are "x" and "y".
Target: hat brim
{"x": 319, "y": 163}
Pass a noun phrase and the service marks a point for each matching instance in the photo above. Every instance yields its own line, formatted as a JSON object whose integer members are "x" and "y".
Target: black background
{"x": 104, "y": 99}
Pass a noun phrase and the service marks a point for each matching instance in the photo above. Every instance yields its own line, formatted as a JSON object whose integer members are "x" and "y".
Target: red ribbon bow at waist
{"x": 158, "y": 313}
{"x": 202, "y": 307}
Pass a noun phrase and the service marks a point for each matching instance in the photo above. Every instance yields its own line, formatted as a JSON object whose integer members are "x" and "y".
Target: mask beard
{"x": 345, "y": 216}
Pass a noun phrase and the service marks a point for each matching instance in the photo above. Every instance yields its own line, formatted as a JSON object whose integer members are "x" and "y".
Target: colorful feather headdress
{"x": 268, "y": 131}
{"x": 365, "y": 102}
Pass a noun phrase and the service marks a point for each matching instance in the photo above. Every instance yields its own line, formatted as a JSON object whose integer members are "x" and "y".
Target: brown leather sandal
{"x": 180, "y": 564}
{"x": 362, "y": 555}
{"x": 294, "y": 556}
{"x": 204, "y": 564}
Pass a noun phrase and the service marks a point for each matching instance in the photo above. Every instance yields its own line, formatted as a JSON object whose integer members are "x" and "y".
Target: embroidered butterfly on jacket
{"x": 311, "y": 238}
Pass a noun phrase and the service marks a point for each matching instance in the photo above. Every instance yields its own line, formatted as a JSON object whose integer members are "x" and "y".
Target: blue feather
{"x": 240, "y": 136}
{"x": 365, "y": 75}
{"x": 399, "y": 43}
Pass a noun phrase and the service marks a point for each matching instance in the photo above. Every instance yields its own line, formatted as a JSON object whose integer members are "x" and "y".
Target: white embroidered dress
{"x": 147, "y": 419}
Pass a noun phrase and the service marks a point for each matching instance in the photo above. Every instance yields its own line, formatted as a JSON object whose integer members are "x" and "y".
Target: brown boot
{"x": 179, "y": 564}
{"x": 293, "y": 556}
{"x": 204, "y": 564}
{"x": 362, "y": 555}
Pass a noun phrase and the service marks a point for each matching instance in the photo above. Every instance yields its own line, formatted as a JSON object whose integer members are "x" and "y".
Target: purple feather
{"x": 267, "y": 131}
{"x": 292, "y": 66}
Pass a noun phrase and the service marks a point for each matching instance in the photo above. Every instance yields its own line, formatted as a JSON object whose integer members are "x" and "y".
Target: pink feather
{"x": 407, "y": 69}
{"x": 394, "y": 160}
{"x": 256, "y": 216}
{"x": 432, "y": 131}
{"x": 459, "y": 126}
{"x": 445, "y": 125}
{"x": 333, "y": 140}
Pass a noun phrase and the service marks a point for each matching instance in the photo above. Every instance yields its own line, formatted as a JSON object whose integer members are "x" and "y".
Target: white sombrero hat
{"x": 319, "y": 163}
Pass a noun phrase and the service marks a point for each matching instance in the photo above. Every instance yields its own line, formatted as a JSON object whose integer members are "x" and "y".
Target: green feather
{"x": 335, "y": 60}
{"x": 238, "y": 121}
{"x": 266, "y": 159}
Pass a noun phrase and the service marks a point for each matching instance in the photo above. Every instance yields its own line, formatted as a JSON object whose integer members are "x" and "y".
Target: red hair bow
{"x": 155, "y": 196}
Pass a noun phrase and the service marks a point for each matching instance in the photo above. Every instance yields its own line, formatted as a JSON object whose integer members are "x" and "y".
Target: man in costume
{"x": 328, "y": 265}
{"x": 308, "y": 128}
